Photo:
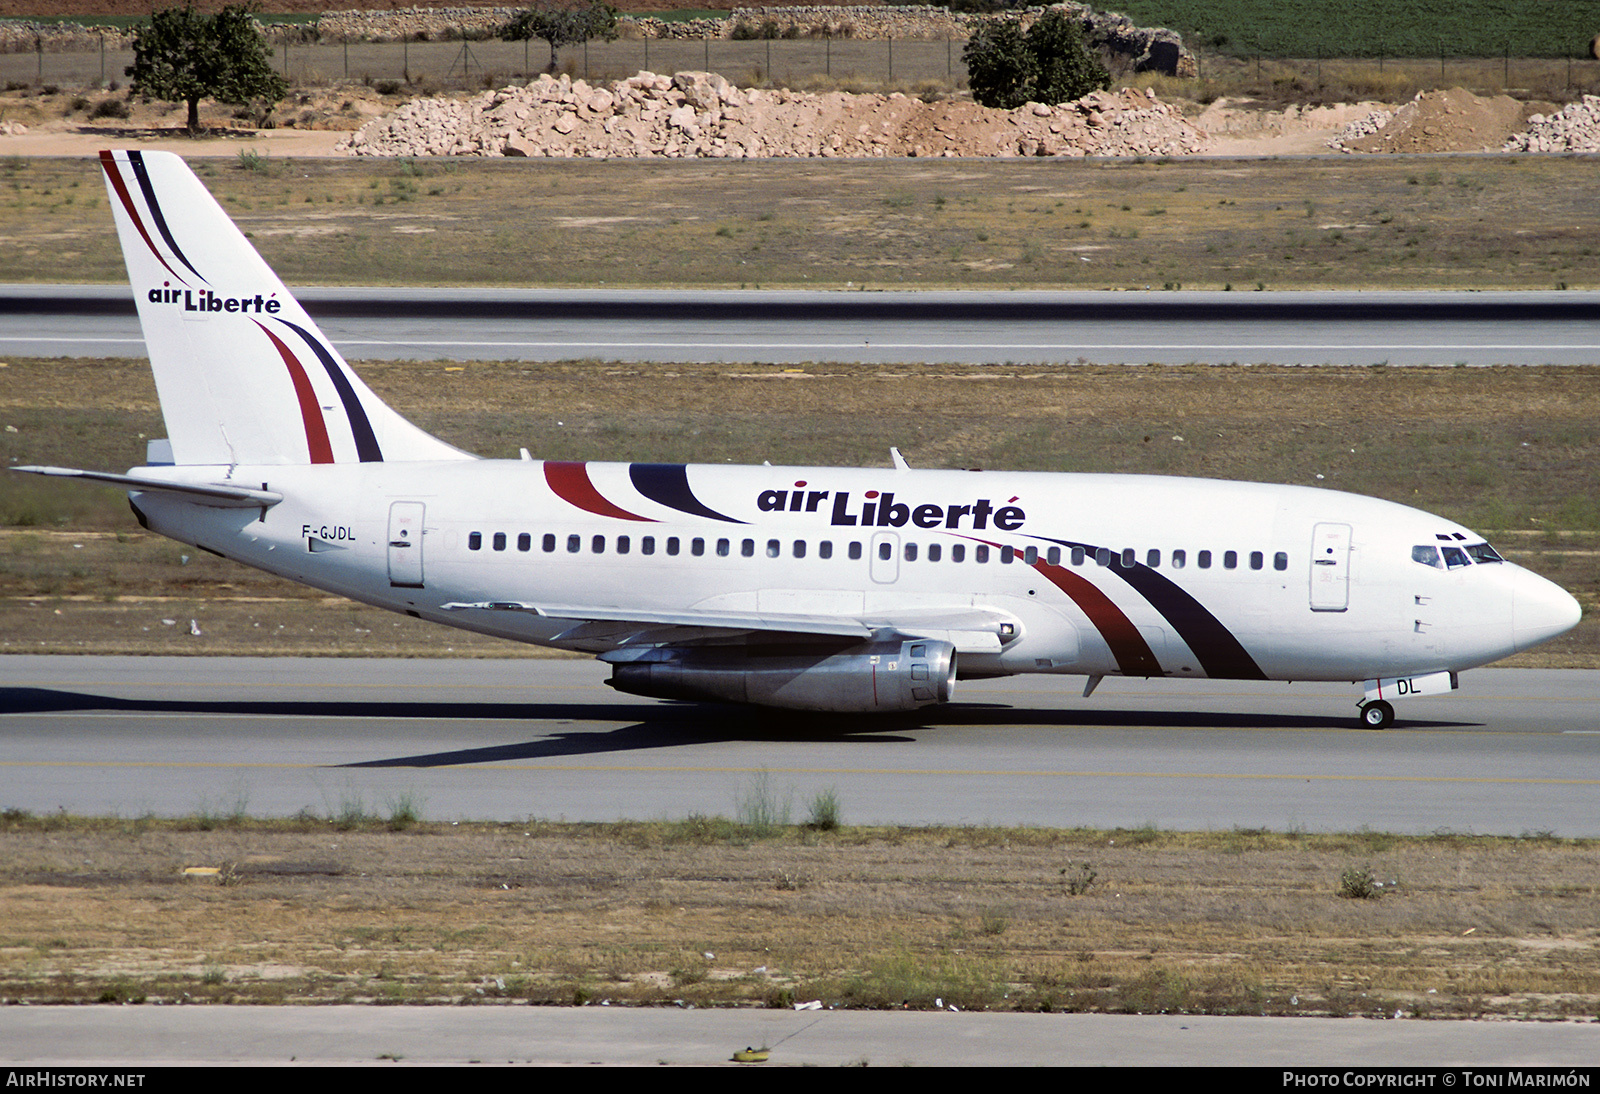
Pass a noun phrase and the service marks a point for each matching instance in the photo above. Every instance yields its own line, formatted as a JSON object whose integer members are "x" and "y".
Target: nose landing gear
{"x": 1377, "y": 714}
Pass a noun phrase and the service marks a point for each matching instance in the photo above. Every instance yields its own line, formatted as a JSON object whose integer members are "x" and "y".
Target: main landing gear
{"x": 1377, "y": 714}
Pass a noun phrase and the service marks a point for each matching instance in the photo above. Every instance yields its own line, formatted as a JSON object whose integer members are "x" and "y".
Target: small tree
{"x": 1048, "y": 64}
{"x": 562, "y": 24}
{"x": 181, "y": 55}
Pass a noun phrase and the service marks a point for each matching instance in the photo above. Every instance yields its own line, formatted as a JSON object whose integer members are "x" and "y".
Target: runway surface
{"x": 1343, "y": 328}
{"x": 1513, "y": 751}
{"x": 117, "y": 1037}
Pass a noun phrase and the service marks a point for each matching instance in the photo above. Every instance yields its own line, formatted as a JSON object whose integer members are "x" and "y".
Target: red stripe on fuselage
{"x": 310, "y": 411}
{"x": 1128, "y": 646}
{"x": 109, "y": 163}
{"x": 570, "y": 481}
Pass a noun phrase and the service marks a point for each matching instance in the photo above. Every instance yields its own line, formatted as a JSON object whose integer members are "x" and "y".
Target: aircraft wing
{"x": 214, "y": 495}
{"x": 969, "y": 630}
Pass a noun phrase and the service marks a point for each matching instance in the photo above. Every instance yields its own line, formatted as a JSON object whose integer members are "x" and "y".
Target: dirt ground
{"x": 707, "y": 911}
{"x": 316, "y": 120}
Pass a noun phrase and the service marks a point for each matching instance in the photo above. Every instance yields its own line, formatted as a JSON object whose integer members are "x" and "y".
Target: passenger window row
{"x": 1127, "y": 558}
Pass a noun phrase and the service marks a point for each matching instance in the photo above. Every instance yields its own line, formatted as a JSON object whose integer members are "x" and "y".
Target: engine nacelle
{"x": 880, "y": 675}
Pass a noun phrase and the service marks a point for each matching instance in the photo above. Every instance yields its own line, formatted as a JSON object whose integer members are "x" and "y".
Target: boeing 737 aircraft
{"x": 817, "y": 588}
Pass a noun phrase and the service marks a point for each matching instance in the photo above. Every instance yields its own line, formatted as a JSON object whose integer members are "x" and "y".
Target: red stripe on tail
{"x": 310, "y": 411}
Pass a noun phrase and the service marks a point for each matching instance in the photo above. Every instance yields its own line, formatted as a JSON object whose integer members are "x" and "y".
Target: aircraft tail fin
{"x": 244, "y": 375}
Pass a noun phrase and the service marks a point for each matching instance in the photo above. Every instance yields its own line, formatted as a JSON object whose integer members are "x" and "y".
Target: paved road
{"x": 117, "y": 1037}
{"x": 1511, "y": 752}
{"x": 1401, "y": 328}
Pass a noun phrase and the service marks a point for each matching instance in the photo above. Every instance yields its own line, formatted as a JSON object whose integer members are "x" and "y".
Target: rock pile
{"x": 1442, "y": 121}
{"x": 702, "y": 114}
{"x": 1575, "y": 129}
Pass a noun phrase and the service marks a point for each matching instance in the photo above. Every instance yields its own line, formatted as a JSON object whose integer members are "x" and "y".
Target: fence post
{"x": 347, "y": 56}
{"x": 708, "y": 51}
{"x": 647, "y": 53}
{"x": 285, "y": 58}
{"x": 828, "y": 55}
{"x": 891, "y": 60}
{"x": 102, "y": 60}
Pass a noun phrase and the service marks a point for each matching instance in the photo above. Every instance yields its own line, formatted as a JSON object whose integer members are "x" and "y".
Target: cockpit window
{"x": 1455, "y": 558}
{"x": 1427, "y": 554}
{"x": 1482, "y": 552}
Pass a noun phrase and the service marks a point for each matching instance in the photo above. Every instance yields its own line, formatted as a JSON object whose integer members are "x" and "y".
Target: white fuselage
{"x": 1097, "y": 574}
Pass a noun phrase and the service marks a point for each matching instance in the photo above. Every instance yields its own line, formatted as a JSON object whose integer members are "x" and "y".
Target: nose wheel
{"x": 1377, "y": 715}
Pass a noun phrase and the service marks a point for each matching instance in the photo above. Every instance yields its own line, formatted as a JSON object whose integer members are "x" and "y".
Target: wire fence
{"x": 808, "y": 63}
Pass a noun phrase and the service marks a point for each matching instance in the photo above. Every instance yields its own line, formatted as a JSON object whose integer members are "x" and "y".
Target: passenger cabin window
{"x": 1152, "y": 558}
{"x": 524, "y": 542}
{"x": 1280, "y": 561}
{"x": 598, "y": 545}
{"x": 980, "y": 553}
{"x": 474, "y": 541}
{"x": 825, "y": 549}
{"x": 647, "y": 545}
{"x": 697, "y": 546}
{"x": 1129, "y": 558}
{"x": 499, "y": 541}
{"x": 549, "y": 542}
{"x": 574, "y": 544}
{"x": 1077, "y": 556}
{"x": 911, "y": 552}
{"x": 724, "y": 547}
{"x": 1102, "y": 556}
{"x": 1257, "y": 560}
{"x": 774, "y": 548}
{"x": 1179, "y": 558}
{"x": 672, "y": 545}
{"x": 1053, "y": 556}
{"x": 1203, "y": 560}
{"x": 624, "y": 544}
{"x": 855, "y": 550}
{"x": 958, "y": 552}
{"x": 934, "y": 552}
{"x": 799, "y": 548}
{"x": 1230, "y": 560}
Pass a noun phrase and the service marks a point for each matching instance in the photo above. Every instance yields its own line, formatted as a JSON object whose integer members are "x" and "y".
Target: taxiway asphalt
{"x": 1022, "y": 327}
{"x": 1513, "y": 751}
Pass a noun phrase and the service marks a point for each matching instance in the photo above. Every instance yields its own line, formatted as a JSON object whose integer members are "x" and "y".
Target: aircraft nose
{"x": 1540, "y": 611}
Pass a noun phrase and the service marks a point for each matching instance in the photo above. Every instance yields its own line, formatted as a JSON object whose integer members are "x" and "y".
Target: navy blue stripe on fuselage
{"x": 136, "y": 161}
{"x": 668, "y": 484}
{"x": 367, "y": 449}
{"x": 1221, "y": 655}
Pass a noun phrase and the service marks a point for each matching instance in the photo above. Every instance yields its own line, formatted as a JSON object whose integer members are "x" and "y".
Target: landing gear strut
{"x": 1377, "y": 714}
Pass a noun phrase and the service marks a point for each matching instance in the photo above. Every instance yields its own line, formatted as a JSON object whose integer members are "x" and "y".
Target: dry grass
{"x": 1378, "y": 221}
{"x": 331, "y": 910}
{"x": 1509, "y": 451}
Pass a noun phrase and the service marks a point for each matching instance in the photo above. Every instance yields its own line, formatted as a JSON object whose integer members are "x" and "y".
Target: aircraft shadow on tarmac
{"x": 671, "y": 725}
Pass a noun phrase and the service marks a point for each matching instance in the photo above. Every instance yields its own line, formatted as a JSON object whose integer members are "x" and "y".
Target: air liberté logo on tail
{"x": 881, "y": 510}
{"x": 207, "y": 301}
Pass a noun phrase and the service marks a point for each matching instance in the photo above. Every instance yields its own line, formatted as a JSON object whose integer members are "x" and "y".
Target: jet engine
{"x": 879, "y": 675}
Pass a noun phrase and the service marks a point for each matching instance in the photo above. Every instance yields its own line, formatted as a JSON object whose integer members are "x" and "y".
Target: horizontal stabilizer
{"x": 214, "y": 495}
